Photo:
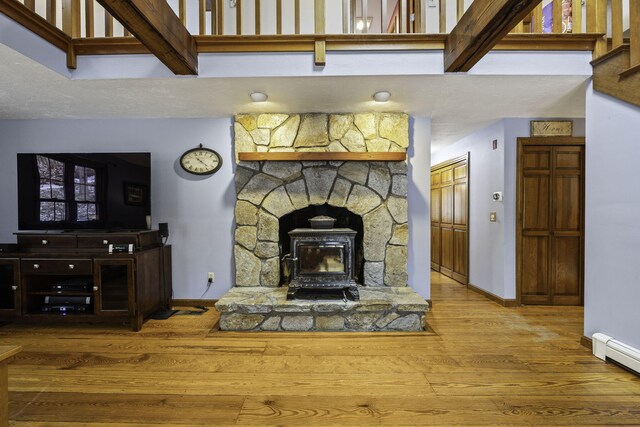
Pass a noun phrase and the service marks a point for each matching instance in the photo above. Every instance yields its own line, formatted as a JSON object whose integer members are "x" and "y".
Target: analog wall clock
{"x": 201, "y": 161}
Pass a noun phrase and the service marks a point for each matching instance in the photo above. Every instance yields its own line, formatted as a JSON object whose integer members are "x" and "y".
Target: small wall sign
{"x": 551, "y": 127}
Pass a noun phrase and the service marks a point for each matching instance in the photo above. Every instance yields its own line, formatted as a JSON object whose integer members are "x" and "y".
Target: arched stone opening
{"x": 344, "y": 219}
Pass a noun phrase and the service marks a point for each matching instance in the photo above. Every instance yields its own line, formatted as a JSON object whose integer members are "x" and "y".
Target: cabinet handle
{"x": 45, "y": 242}
{"x": 95, "y": 288}
{"x": 71, "y": 266}
{"x": 14, "y": 287}
{"x": 36, "y": 266}
{"x": 105, "y": 242}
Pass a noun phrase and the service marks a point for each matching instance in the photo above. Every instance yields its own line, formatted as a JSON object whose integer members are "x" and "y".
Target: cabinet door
{"x": 114, "y": 286}
{"x": 9, "y": 287}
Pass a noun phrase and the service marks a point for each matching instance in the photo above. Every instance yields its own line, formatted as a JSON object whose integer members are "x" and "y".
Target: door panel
{"x": 535, "y": 270}
{"x": 446, "y": 200}
{"x": 536, "y": 158}
{"x": 435, "y": 248}
{"x": 459, "y": 254}
{"x": 446, "y": 252}
{"x": 460, "y": 172}
{"x": 550, "y": 231}
{"x": 446, "y": 176}
{"x": 567, "y": 202}
{"x": 566, "y": 273}
{"x": 435, "y": 205}
{"x": 460, "y": 204}
{"x": 535, "y": 215}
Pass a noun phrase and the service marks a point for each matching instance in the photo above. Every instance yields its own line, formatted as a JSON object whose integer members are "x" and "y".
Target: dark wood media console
{"x": 72, "y": 277}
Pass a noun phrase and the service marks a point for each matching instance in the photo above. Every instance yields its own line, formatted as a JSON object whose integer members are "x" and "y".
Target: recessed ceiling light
{"x": 258, "y": 96}
{"x": 381, "y": 96}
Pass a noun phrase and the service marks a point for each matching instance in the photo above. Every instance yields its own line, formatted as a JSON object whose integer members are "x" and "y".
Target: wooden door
{"x": 550, "y": 229}
{"x": 449, "y": 218}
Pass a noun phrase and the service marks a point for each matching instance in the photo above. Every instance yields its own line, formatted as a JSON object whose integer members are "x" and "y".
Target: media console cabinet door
{"x": 9, "y": 287}
{"x": 114, "y": 287}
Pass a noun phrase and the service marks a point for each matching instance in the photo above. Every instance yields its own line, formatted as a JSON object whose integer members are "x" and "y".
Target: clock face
{"x": 201, "y": 161}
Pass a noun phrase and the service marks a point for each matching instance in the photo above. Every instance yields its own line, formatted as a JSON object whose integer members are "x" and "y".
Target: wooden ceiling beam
{"x": 156, "y": 25}
{"x": 481, "y": 27}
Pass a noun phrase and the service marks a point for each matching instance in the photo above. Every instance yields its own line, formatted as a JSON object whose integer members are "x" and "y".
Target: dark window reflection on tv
{"x": 83, "y": 190}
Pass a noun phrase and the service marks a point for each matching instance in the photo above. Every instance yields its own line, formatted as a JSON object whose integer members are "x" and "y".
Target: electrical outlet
{"x": 211, "y": 277}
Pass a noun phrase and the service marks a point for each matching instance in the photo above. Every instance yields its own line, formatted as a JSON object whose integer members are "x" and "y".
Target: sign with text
{"x": 551, "y": 128}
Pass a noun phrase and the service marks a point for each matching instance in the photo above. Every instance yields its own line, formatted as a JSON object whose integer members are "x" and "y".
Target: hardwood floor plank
{"x": 249, "y": 363}
{"x": 482, "y": 365}
{"x": 28, "y": 379}
{"x": 501, "y": 383}
{"x": 362, "y": 410}
{"x": 156, "y": 409}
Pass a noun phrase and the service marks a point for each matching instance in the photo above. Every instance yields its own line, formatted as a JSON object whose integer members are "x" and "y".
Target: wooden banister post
{"x": 51, "y": 12}
{"x": 71, "y": 17}
{"x": 319, "y": 16}
{"x": 576, "y": 16}
{"x": 182, "y": 11}
{"x": 202, "y": 17}
{"x": 597, "y": 23}
{"x": 88, "y": 18}
{"x": 634, "y": 32}
{"x": 257, "y": 16}
{"x": 556, "y": 23}
{"x": 239, "y": 17}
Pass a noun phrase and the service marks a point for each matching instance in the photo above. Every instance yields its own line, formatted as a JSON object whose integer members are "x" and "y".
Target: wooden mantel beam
{"x": 155, "y": 24}
{"x": 481, "y": 27}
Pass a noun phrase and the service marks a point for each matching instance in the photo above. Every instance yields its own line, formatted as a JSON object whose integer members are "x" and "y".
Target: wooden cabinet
{"x": 84, "y": 282}
{"x": 10, "y": 299}
{"x": 449, "y": 218}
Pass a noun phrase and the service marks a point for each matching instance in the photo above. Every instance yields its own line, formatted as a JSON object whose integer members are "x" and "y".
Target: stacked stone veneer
{"x": 377, "y": 191}
{"x": 267, "y": 309}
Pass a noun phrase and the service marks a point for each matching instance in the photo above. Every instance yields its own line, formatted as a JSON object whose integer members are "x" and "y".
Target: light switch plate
{"x": 493, "y": 216}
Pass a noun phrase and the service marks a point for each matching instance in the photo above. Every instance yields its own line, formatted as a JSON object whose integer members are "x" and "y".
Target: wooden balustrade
{"x": 87, "y": 19}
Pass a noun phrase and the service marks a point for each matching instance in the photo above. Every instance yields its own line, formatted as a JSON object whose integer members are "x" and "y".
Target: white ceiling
{"x": 458, "y": 104}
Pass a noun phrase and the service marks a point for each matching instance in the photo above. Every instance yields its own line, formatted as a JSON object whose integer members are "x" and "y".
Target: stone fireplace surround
{"x": 268, "y": 190}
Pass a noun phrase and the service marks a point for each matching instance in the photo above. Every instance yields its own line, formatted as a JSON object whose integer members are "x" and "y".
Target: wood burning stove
{"x": 322, "y": 261}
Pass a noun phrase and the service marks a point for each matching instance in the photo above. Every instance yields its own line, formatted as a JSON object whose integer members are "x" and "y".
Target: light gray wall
{"x": 486, "y": 175}
{"x": 200, "y": 211}
{"x": 612, "y": 269}
{"x": 492, "y": 245}
{"x": 419, "y": 193}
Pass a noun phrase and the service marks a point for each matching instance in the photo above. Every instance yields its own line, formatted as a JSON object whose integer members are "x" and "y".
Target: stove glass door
{"x": 322, "y": 259}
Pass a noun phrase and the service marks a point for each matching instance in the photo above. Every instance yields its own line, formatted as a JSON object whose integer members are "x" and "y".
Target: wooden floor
{"x": 482, "y": 365}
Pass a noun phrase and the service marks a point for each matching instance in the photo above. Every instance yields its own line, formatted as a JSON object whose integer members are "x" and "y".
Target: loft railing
{"x": 87, "y": 19}
{"x": 84, "y": 27}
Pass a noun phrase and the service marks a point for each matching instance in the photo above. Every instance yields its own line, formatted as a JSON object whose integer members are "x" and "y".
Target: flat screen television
{"x": 84, "y": 191}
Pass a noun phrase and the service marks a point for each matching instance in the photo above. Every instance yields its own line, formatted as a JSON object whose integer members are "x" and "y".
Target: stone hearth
{"x": 267, "y": 309}
{"x": 268, "y": 190}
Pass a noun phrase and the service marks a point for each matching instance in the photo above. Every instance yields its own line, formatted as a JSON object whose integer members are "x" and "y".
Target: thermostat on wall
{"x": 497, "y": 196}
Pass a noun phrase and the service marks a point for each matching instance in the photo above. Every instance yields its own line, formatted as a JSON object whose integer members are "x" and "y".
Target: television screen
{"x": 84, "y": 191}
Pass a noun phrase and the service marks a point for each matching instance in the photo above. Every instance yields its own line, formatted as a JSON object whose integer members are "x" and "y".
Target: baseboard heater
{"x": 605, "y": 347}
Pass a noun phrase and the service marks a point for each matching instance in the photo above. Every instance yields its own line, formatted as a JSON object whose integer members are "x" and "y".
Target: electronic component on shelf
{"x": 66, "y": 300}
{"x": 64, "y": 304}
{"x": 72, "y": 285}
{"x": 121, "y": 248}
{"x": 63, "y": 309}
